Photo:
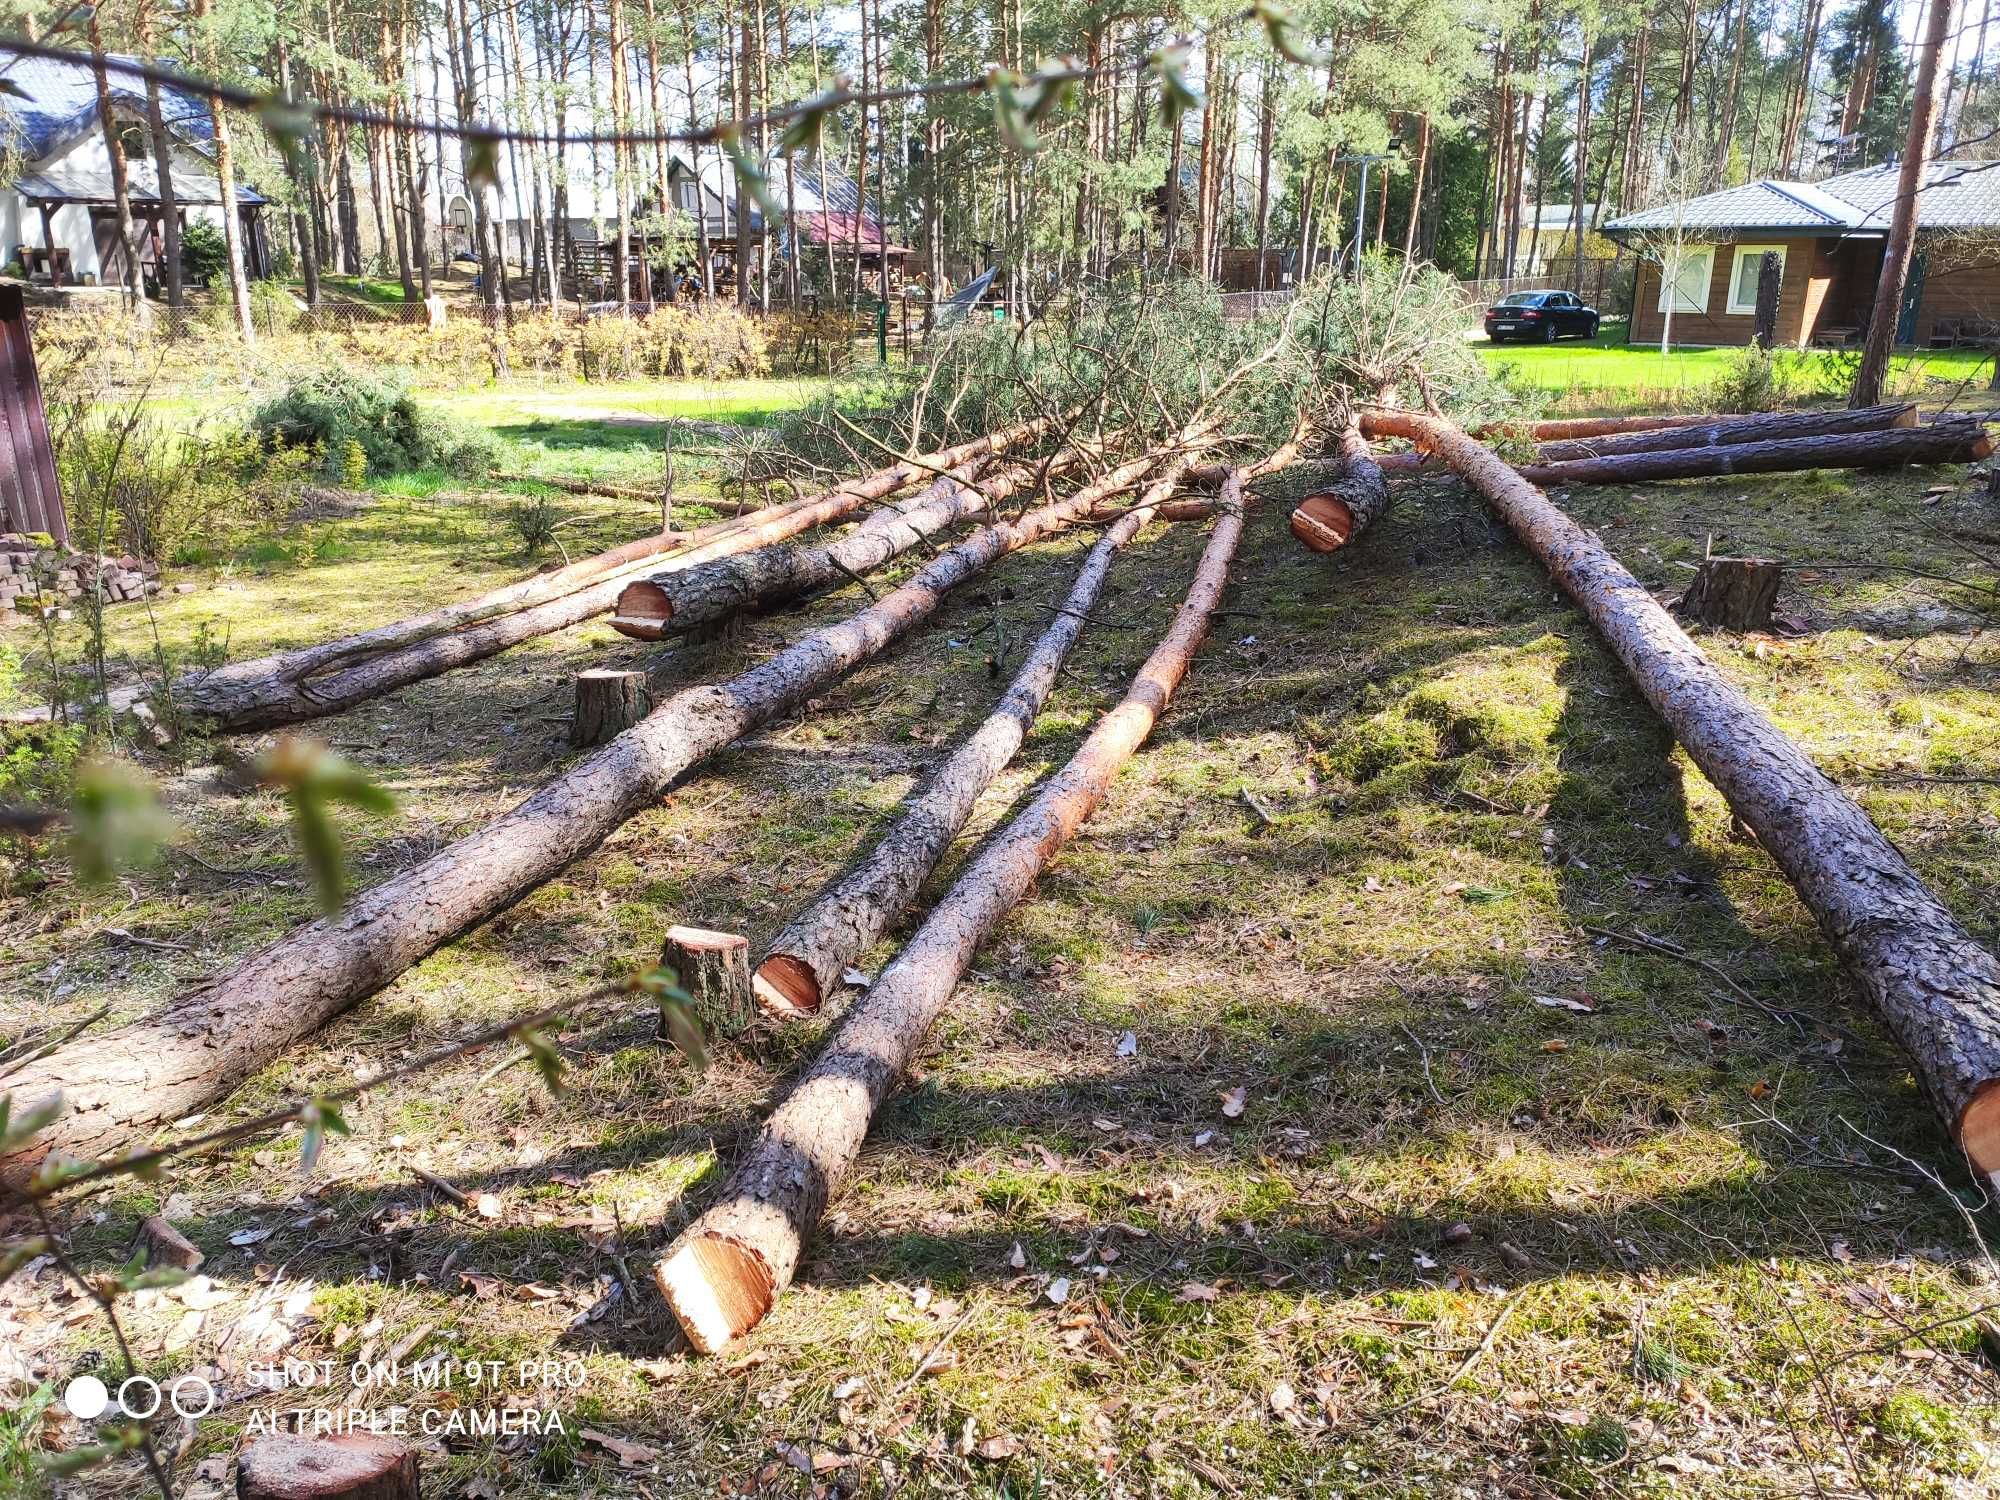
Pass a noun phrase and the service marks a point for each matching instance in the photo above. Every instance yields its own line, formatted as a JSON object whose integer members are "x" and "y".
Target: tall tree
{"x": 1883, "y": 317}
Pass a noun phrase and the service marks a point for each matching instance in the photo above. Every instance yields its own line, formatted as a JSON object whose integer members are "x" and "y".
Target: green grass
{"x": 1607, "y": 374}
{"x": 1703, "y": 1295}
{"x": 367, "y": 288}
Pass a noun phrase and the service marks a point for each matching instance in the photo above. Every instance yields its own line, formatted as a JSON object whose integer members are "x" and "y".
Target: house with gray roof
{"x": 57, "y": 214}
{"x": 1829, "y": 237}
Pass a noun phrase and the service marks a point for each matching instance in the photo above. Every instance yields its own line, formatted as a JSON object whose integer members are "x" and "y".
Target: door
{"x": 1913, "y": 296}
{"x": 112, "y": 269}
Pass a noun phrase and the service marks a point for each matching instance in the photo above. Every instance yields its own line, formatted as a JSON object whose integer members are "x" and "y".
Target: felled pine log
{"x": 125, "y": 1084}
{"x": 1354, "y": 497}
{"x": 726, "y": 1270}
{"x": 329, "y": 679}
{"x": 671, "y": 602}
{"x": 350, "y": 1466}
{"x": 1934, "y": 986}
{"x": 1725, "y": 431}
{"x": 1383, "y": 422}
{"x": 1945, "y": 442}
{"x": 805, "y": 962}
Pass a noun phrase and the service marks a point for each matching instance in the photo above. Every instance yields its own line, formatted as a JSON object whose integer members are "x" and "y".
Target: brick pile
{"x": 69, "y": 575}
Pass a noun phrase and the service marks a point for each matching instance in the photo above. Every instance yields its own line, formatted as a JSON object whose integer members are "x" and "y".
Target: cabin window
{"x": 1743, "y": 277}
{"x": 1689, "y": 278}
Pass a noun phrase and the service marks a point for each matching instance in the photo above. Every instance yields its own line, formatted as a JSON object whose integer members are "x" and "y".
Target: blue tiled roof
{"x": 62, "y": 99}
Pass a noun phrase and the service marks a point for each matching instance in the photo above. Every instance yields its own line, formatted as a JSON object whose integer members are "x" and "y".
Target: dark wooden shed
{"x": 29, "y": 497}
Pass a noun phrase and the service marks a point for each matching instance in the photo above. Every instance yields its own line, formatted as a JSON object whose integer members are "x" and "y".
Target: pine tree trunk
{"x": 172, "y": 276}
{"x": 114, "y": 150}
{"x": 225, "y": 180}
{"x": 1721, "y": 431}
{"x": 1948, "y": 442}
{"x": 1888, "y": 303}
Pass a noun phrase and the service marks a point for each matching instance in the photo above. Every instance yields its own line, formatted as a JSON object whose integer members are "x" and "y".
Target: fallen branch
{"x": 1727, "y": 431}
{"x": 805, "y": 962}
{"x": 130, "y": 1081}
{"x": 722, "y": 1275}
{"x": 1930, "y": 981}
{"x": 1946, "y": 442}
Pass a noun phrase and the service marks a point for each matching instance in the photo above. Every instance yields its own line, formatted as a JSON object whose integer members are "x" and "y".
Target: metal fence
{"x": 1558, "y": 275}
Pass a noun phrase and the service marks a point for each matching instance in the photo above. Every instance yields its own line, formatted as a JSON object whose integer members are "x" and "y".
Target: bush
{"x": 203, "y": 251}
{"x": 534, "y": 522}
{"x": 1765, "y": 380}
{"x": 333, "y": 408}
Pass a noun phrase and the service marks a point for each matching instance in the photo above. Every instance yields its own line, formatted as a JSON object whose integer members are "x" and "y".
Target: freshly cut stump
{"x": 353, "y": 1466}
{"x": 714, "y": 968}
{"x": 608, "y": 702}
{"x": 1733, "y": 593}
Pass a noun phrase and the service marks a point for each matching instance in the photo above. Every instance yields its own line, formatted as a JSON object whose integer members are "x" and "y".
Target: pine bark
{"x": 125, "y": 1084}
{"x": 225, "y": 179}
{"x": 1733, "y": 593}
{"x": 1958, "y": 442}
{"x": 171, "y": 278}
{"x": 1354, "y": 498}
{"x": 723, "y": 1274}
{"x": 320, "y": 680}
{"x": 608, "y": 702}
{"x": 1727, "y": 431}
{"x": 114, "y": 151}
{"x": 1903, "y": 216}
{"x": 1398, "y": 424}
{"x": 805, "y": 962}
{"x": 1934, "y": 986}
{"x": 651, "y": 609}
{"x": 714, "y": 969}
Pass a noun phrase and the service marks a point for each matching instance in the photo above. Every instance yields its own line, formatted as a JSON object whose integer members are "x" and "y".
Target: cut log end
{"x": 642, "y": 611}
{"x": 1323, "y": 522}
{"x": 167, "y": 1246}
{"x": 786, "y": 988}
{"x": 716, "y": 1288}
{"x": 1979, "y": 1130}
{"x": 353, "y": 1466}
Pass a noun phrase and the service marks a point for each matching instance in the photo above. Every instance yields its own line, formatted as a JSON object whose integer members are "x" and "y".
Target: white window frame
{"x": 1705, "y": 256}
{"x": 1736, "y": 274}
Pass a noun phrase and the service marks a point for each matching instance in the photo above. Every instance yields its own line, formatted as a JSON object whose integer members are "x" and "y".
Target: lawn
{"x": 1606, "y": 374}
{"x": 1510, "y": 1207}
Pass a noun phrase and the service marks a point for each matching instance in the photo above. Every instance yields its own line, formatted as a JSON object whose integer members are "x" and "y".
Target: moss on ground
{"x": 1512, "y": 1205}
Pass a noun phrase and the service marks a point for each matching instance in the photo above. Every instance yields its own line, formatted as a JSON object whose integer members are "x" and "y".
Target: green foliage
{"x": 1764, "y": 380}
{"x": 534, "y": 521}
{"x": 315, "y": 779}
{"x": 116, "y": 821}
{"x": 331, "y": 408}
{"x": 203, "y": 251}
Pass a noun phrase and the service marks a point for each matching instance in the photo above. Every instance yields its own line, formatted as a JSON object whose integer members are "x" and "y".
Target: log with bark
{"x": 313, "y": 681}
{"x": 804, "y": 964}
{"x": 263, "y": 695}
{"x": 1382, "y": 422}
{"x": 1725, "y": 431}
{"x": 722, "y": 1275}
{"x": 1934, "y": 986}
{"x": 1944, "y": 442}
{"x": 670, "y": 602}
{"x": 1354, "y": 498}
{"x": 127, "y": 1083}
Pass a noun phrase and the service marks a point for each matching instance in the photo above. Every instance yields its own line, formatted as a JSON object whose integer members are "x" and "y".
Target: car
{"x": 1541, "y": 316}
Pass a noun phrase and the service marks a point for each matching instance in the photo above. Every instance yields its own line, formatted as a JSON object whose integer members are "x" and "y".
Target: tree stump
{"x": 167, "y": 1246}
{"x": 714, "y": 968}
{"x": 1734, "y": 593}
{"x": 353, "y": 1466}
{"x": 607, "y": 704}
